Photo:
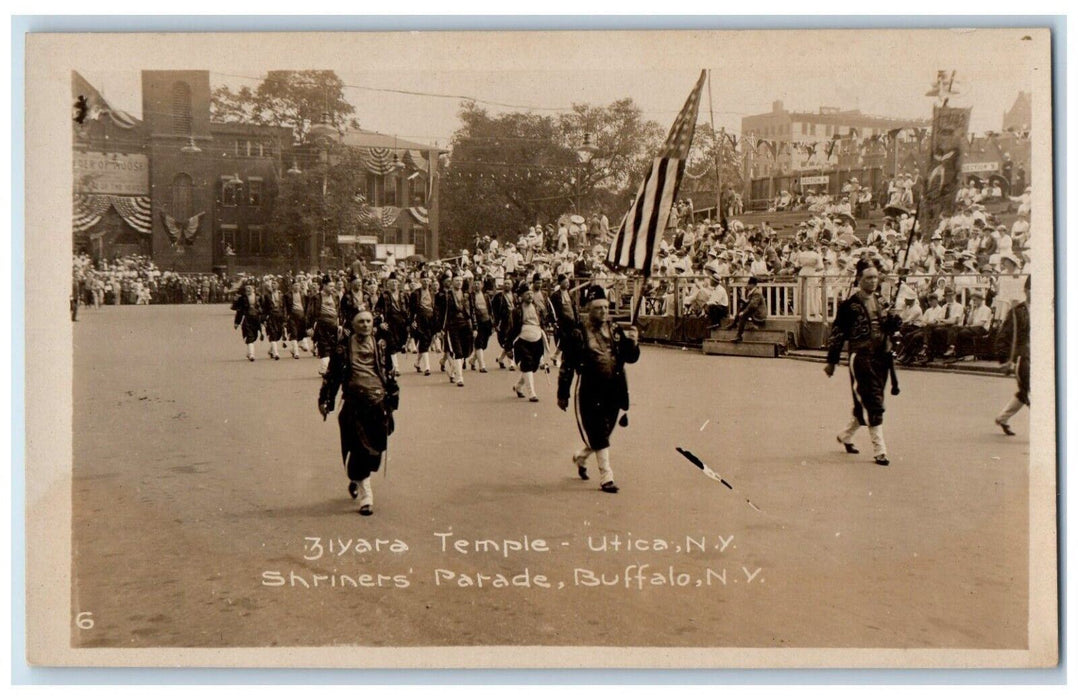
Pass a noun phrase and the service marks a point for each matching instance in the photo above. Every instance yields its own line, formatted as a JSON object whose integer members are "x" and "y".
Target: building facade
{"x": 198, "y": 196}
{"x": 781, "y": 142}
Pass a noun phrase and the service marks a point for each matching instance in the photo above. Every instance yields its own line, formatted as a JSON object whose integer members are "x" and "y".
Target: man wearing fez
{"x": 322, "y": 322}
{"x": 566, "y": 316}
{"x": 351, "y": 303}
{"x": 392, "y": 310}
{"x": 863, "y": 322}
{"x": 247, "y": 308}
{"x": 457, "y": 323}
{"x": 501, "y": 312}
{"x": 361, "y": 367}
{"x": 421, "y": 307}
{"x": 597, "y": 352}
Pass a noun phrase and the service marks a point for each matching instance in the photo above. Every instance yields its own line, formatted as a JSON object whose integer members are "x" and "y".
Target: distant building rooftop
{"x": 361, "y": 138}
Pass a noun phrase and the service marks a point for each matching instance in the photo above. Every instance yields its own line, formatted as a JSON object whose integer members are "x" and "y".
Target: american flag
{"x": 638, "y": 235}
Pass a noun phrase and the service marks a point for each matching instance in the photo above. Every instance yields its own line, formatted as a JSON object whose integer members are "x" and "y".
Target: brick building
{"x": 197, "y": 195}
{"x": 802, "y": 139}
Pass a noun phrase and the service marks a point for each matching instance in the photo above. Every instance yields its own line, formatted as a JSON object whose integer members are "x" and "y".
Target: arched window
{"x": 182, "y": 197}
{"x": 181, "y": 108}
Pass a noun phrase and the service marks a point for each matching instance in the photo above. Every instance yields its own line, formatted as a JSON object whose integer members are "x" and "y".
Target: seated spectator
{"x": 753, "y": 312}
{"x": 962, "y": 339}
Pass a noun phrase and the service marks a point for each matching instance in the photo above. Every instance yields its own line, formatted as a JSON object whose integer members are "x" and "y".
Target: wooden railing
{"x": 811, "y": 298}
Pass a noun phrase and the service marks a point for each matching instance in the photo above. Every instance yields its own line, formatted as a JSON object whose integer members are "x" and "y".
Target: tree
{"x": 507, "y": 172}
{"x": 513, "y": 170}
{"x": 625, "y": 144}
{"x": 320, "y": 201}
{"x": 293, "y": 99}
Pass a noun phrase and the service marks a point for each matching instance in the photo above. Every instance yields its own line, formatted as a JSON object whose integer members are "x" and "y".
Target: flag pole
{"x": 718, "y": 153}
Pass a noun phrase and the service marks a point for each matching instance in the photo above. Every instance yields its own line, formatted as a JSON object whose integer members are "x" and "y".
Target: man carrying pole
{"x": 594, "y": 350}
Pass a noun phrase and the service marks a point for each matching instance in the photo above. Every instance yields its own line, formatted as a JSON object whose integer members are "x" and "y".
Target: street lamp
{"x": 584, "y": 153}
{"x": 323, "y": 135}
{"x": 586, "y": 150}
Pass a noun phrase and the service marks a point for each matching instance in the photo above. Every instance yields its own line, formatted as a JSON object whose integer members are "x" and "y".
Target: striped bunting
{"x": 420, "y": 214}
{"x": 88, "y": 209}
{"x": 636, "y": 241}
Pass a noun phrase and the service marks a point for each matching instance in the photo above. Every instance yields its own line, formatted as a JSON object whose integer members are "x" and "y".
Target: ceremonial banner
{"x": 635, "y": 242}
{"x": 949, "y": 127}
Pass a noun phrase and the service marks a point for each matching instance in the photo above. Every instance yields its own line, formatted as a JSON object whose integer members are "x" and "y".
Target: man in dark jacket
{"x": 753, "y": 311}
{"x": 322, "y": 322}
{"x": 501, "y": 312}
{"x": 421, "y": 306}
{"x": 864, "y": 323}
{"x": 457, "y": 324}
{"x": 361, "y": 368}
{"x": 247, "y": 310}
{"x": 566, "y": 316}
{"x": 1013, "y": 345}
{"x": 392, "y": 311}
{"x": 597, "y": 352}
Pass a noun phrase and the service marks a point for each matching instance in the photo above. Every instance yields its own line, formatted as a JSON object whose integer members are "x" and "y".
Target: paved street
{"x": 210, "y": 507}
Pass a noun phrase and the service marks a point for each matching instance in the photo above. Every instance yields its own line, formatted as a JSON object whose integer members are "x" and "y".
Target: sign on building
{"x": 807, "y": 180}
{"x": 400, "y": 250}
{"x": 357, "y": 240}
{"x": 112, "y": 173}
{"x": 989, "y": 167}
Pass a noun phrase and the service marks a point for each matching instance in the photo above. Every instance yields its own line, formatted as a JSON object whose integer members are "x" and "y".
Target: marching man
{"x": 362, "y": 369}
{"x": 597, "y": 353}
{"x": 862, "y": 322}
{"x": 1013, "y": 340}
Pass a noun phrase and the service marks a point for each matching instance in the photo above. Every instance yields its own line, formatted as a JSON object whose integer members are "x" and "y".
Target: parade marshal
{"x": 597, "y": 352}
{"x": 362, "y": 369}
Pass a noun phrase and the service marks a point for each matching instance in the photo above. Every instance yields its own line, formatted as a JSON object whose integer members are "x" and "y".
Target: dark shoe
{"x": 427, "y": 373}
{"x": 520, "y": 394}
{"x": 483, "y": 371}
{"x": 501, "y": 364}
{"x": 738, "y": 339}
{"x": 512, "y": 368}
{"x": 849, "y": 446}
{"x": 250, "y": 358}
{"x": 534, "y": 399}
{"x": 1005, "y": 427}
{"x": 366, "y": 510}
{"x": 581, "y": 470}
{"x": 353, "y": 490}
{"x": 881, "y": 460}
{"x": 609, "y": 487}
{"x": 460, "y": 383}
{"x": 417, "y": 369}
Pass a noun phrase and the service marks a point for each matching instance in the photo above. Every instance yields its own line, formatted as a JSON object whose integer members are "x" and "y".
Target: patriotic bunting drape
{"x": 377, "y": 217}
{"x": 377, "y": 160}
{"x": 89, "y": 208}
{"x": 636, "y": 241}
{"x": 415, "y": 161}
{"x": 420, "y": 214}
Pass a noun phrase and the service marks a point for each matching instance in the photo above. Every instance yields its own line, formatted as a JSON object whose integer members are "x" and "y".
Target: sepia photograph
{"x": 650, "y": 349}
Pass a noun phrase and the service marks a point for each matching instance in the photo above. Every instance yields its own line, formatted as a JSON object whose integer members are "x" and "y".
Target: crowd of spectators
{"x": 971, "y": 255}
{"x": 134, "y": 279}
